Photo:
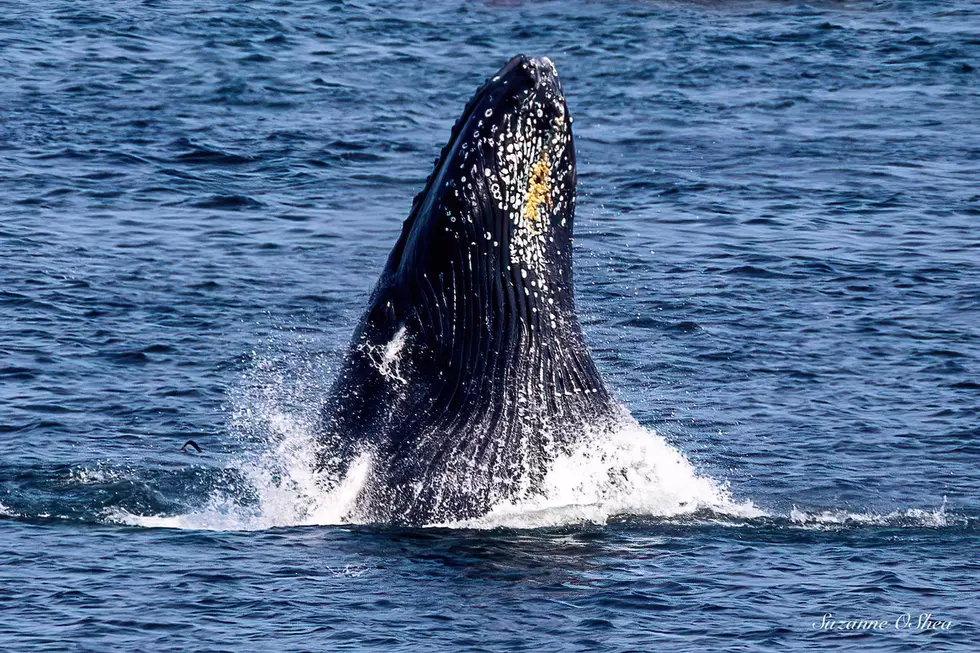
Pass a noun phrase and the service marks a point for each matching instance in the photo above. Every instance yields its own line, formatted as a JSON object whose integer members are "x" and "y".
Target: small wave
{"x": 910, "y": 517}
{"x": 227, "y": 202}
{"x": 211, "y": 156}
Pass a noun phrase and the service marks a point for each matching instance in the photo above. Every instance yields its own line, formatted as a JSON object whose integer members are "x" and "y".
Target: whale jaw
{"x": 469, "y": 373}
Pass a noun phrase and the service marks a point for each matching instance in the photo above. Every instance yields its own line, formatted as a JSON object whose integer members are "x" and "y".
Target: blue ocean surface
{"x": 777, "y": 269}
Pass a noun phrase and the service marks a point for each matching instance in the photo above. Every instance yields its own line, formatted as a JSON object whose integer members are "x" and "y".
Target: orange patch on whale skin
{"x": 538, "y": 190}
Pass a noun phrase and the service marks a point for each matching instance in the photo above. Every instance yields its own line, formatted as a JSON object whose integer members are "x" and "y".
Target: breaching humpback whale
{"x": 468, "y": 373}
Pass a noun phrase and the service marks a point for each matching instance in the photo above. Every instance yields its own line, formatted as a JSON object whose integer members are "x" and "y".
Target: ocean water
{"x": 777, "y": 267}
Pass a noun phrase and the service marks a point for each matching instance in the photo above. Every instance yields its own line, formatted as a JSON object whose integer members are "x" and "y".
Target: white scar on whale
{"x": 386, "y": 357}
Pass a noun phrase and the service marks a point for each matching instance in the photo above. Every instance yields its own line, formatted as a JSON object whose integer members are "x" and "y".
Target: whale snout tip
{"x": 544, "y": 65}
{"x": 542, "y": 70}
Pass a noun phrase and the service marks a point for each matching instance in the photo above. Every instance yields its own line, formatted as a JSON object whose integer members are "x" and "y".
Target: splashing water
{"x": 275, "y": 413}
{"x": 629, "y": 471}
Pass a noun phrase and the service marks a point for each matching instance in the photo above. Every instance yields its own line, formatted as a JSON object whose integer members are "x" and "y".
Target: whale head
{"x": 504, "y": 186}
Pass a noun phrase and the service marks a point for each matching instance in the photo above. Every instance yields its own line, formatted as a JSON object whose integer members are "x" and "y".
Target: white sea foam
{"x": 834, "y": 519}
{"x": 632, "y": 471}
{"x": 102, "y": 472}
{"x": 279, "y": 487}
{"x": 387, "y": 358}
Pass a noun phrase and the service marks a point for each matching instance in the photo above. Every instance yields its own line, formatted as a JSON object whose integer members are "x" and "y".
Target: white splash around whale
{"x": 630, "y": 471}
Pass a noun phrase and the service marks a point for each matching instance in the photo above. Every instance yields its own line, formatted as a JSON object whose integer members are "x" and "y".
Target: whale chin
{"x": 469, "y": 373}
